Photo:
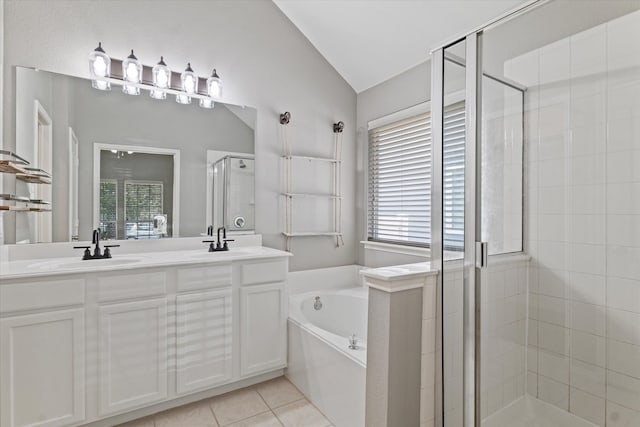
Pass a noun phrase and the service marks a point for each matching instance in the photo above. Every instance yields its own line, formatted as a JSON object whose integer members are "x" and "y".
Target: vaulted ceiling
{"x": 370, "y": 41}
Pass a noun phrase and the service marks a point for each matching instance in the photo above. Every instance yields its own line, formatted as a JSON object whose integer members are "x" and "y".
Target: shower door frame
{"x": 474, "y": 255}
{"x": 472, "y": 222}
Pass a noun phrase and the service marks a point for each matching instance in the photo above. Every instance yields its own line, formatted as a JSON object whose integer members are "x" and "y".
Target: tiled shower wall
{"x": 582, "y": 139}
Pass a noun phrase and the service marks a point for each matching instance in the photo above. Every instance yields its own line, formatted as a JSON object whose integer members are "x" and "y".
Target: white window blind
{"x": 108, "y": 208}
{"x": 143, "y": 201}
{"x": 400, "y": 180}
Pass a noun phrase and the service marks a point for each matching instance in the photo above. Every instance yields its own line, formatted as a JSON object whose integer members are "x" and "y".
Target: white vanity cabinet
{"x": 86, "y": 346}
{"x": 132, "y": 340}
{"x": 42, "y": 353}
{"x": 263, "y": 316}
{"x": 204, "y": 328}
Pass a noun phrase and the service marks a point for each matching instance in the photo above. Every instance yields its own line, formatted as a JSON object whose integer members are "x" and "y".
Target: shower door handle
{"x": 482, "y": 254}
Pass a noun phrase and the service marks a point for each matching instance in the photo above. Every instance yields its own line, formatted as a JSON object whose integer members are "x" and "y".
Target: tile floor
{"x": 275, "y": 403}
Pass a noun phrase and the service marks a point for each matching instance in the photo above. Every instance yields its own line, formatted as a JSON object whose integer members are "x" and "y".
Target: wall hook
{"x": 285, "y": 118}
{"x": 338, "y": 127}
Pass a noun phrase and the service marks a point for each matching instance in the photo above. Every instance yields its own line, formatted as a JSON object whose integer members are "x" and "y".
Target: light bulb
{"x": 214, "y": 85}
{"x": 162, "y": 80}
{"x": 99, "y": 66}
{"x": 132, "y": 73}
{"x": 189, "y": 85}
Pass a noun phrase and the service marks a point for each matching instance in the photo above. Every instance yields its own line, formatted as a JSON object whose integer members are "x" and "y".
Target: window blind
{"x": 143, "y": 200}
{"x": 399, "y": 190}
{"x": 108, "y": 208}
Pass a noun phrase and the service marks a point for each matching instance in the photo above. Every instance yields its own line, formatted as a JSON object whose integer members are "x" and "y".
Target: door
{"x": 132, "y": 354}
{"x": 42, "y": 375}
{"x": 262, "y": 328}
{"x": 74, "y": 165}
{"x": 203, "y": 344}
{"x": 478, "y": 148}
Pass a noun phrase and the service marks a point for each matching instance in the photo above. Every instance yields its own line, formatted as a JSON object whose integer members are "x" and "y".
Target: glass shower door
{"x": 483, "y": 306}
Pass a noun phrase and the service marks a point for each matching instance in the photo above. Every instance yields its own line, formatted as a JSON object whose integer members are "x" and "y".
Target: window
{"x": 108, "y": 208}
{"x": 143, "y": 201}
{"x": 400, "y": 180}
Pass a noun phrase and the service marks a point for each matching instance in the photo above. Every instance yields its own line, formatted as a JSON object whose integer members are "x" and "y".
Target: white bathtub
{"x": 320, "y": 362}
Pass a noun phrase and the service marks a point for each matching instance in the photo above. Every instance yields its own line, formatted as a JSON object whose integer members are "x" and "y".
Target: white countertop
{"x": 45, "y": 267}
{"x": 400, "y": 272}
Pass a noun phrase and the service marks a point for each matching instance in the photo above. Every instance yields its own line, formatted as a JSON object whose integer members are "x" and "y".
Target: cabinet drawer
{"x": 263, "y": 272}
{"x": 36, "y": 295}
{"x": 125, "y": 286}
{"x": 191, "y": 279}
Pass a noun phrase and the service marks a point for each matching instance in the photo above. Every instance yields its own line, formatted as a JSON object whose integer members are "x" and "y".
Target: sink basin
{"x": 65, "y": 265}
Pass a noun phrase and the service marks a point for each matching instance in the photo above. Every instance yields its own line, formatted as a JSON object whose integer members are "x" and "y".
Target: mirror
{"x": 137, "y": 167}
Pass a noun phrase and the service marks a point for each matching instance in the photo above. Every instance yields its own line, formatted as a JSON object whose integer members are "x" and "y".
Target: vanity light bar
{"x": 158, "y": 80}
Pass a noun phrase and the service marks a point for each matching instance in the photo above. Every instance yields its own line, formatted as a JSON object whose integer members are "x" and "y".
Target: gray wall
{"x": 263, "y": 59}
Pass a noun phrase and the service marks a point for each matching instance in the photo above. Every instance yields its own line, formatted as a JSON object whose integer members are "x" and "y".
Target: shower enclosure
{"x": 233, "y": 194}
{"x": 536, "y": 220}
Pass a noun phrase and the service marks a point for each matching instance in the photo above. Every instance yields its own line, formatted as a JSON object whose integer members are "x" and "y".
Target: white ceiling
{"x": 370, "y": 41}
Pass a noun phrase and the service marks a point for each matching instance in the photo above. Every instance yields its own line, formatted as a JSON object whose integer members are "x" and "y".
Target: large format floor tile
{"x": 274, "y": 403}
{"x": 278, "y": 392}
{"x": 237, "y": 405}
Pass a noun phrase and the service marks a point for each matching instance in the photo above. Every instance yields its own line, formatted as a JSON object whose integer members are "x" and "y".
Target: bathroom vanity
{"x": 83, "y": 341}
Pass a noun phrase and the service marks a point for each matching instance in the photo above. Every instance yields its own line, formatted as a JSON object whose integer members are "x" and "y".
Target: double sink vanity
{"x": 82, "y": 341}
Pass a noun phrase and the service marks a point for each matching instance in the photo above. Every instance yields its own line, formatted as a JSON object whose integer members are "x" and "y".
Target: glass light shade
{"x": 183, "y": 99}
{"x": 99, "y": 68}
{"x": 131, "y": 73}
{"x": 207, "y": 103}
{"x": 189, "y": 81}
{"x": 214, "y": 85}
{"x": 189, "y": 85}
{"x": 161, "y": 75}
{"x": 157, "y": 94}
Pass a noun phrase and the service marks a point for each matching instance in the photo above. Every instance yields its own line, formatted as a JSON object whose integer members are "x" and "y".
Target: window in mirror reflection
{"x": 108, "y": 208}
{"x": 136, "y": 195}
{"x": 142, "y": 209}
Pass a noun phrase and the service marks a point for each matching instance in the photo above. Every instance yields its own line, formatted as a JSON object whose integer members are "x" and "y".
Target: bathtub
{"x": 320, "y": 362}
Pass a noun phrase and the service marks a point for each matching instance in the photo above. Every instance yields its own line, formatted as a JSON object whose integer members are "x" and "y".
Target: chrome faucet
{"x": 97, "y": 253}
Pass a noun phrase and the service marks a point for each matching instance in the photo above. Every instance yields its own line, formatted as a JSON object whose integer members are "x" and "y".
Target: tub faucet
{"x": 353, "y": 342}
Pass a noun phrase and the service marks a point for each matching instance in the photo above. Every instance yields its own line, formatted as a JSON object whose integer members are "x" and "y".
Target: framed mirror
{"x": 135, "y": 166}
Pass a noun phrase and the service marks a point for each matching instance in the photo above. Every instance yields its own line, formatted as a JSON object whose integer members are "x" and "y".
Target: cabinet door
{"x": 132, "y": 355}
{"x": 203, "y": 339}
{"x": 262, "y": 328}
{"x": 42, "y": 360}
